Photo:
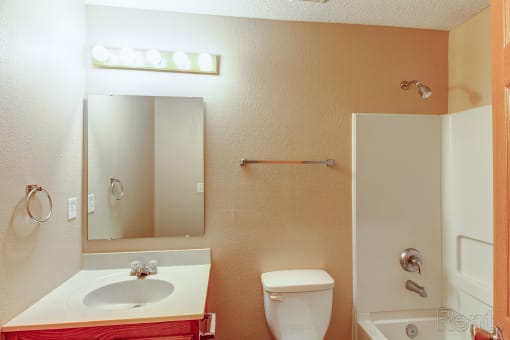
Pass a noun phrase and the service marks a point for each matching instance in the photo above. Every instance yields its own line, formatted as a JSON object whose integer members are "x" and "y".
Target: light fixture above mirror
{"x": 155, "y": 60}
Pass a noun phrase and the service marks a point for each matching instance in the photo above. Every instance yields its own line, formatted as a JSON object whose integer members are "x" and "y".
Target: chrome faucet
{"x": 416, "y": 288}
{"x": 141, "y": 269}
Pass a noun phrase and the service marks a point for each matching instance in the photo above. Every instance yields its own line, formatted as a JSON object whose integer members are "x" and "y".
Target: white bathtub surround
{"x": 467, "y": 213}
{"x": 431, "y": 324}
{"x": 408, "y": 172}
{"x": 396, "y": 183}
{"x": 186, "y": 270}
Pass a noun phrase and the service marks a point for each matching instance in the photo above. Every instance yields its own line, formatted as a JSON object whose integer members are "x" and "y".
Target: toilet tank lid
{"x": 297, "y": 280}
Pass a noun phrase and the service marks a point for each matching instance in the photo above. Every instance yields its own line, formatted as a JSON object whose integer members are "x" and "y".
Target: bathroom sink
{"x": 104, "y": 292}
{"x": 128, "y": 294}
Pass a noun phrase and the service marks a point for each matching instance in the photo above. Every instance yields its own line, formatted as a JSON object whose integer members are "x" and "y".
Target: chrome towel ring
{"x": 32, "y": 190}
{"x": 118, "y": 194}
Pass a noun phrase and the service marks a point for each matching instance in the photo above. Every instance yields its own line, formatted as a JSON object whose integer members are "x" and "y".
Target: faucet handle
{"x": 136, "y": 267}
{"x": 411, "y": 260}
{"x": 415, "y": 261}
{"x": 152, "y": 266}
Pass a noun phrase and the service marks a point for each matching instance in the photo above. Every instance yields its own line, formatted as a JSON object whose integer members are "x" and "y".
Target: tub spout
{"x": 416, "y": 288}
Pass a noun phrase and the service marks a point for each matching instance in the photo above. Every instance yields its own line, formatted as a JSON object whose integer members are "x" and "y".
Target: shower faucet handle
{"x": 416, "y": 262}
{"x": 411, "y": 260}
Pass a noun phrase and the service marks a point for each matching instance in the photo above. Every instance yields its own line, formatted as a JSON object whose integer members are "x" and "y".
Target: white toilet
{"x": 298, "y": 303}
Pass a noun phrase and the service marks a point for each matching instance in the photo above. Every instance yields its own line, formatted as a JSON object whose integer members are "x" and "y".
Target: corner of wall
{"x": 469, "y": 64}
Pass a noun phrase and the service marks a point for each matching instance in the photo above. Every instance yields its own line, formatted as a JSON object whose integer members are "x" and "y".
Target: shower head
{"x": 423, "y": 89}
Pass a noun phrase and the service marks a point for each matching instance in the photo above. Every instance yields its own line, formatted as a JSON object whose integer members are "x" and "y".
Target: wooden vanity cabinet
{"x": 172, "y": 330}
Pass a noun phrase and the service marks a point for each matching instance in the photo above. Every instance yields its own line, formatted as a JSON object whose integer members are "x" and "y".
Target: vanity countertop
{"x": 64, "y": 308}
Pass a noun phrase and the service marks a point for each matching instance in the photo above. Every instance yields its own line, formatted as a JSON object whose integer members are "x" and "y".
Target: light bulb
{"x": 127, "y": 56}
{"x": 181, "y": 60}
{"x": 100, "y": 53}
{"x": 205, "y": 62}
{"x": 153, "y": 57}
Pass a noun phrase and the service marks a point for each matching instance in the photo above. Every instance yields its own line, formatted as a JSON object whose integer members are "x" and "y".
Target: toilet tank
{"x": 298, "y": 303}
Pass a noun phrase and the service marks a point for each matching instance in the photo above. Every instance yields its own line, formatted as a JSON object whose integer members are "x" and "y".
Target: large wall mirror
{"x": 145, "y": 166}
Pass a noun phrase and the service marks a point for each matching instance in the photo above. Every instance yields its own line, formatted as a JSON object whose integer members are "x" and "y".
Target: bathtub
{"x": 424, "y": 324}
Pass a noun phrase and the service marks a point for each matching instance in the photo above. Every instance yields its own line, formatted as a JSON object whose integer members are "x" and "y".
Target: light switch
{"x": 200, "y": 187}
{"x": 72, "y": 208}
{"x": 91, "y": 206}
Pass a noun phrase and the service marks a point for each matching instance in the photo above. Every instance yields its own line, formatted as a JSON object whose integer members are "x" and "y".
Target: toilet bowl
{"x": 298, "y": 303}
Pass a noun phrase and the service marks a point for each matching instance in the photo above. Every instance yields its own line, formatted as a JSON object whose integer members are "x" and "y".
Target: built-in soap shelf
{"x": 473, "y": 275}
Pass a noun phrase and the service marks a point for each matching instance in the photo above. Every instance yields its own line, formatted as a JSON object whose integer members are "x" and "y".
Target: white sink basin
{"x": 128, "y": 294}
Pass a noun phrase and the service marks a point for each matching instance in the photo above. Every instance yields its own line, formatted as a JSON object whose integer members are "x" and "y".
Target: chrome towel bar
{"x": 244, "y": 162}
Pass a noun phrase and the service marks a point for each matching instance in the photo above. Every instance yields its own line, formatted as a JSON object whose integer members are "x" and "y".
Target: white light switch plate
{"x": 91, "y": 203}
{"x": 72, "y": 208}
{"x": 200, "y": 187}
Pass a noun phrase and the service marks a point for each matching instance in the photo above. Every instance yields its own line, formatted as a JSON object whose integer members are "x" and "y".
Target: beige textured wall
{"x": 121, "y": 145}
{"x": 469, "y": 62}
{"x": 179, "y": 166}
{"x": 286, "y": 91}
{"x": 41, "y": 87}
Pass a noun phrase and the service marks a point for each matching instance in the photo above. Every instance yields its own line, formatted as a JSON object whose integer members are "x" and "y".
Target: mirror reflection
{"x": 145, "y": 163}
